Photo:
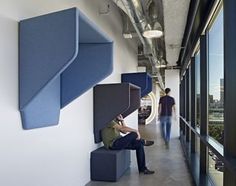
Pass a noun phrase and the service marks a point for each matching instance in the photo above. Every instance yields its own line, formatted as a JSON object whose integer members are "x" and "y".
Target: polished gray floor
{"x": 169, "y": 164}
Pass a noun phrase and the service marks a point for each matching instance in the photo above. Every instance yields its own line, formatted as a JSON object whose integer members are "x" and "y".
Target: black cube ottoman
{"x": 109, "y": 165}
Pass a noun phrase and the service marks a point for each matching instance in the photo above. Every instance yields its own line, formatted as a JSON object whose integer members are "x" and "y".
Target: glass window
{"x": 216, "y": 79}
{"x": 216, "y": 169}
{"x": 197, "y": 84}
{"x": 216, "y": 95}
{"x": 197, "y": 98}
{"x": 197, "y": 142}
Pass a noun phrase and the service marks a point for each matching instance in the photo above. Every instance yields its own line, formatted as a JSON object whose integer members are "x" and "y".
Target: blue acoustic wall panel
{"x": 44, "y": 109}
{"x": 76, "y": 80}
{"x": 44, "y": 52}
{"x": 48, "y": 45}
{"x": 89, "y": 32}
{"x": 111, "y": 100}
{"x": 141, "y": 79}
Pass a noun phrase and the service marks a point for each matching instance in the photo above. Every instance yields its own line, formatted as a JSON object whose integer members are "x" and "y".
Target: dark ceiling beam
{"x": 199, "y": 11}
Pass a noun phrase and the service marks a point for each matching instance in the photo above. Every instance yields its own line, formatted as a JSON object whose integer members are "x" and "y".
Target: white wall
{"x": 59, "y": 155}
{"x": 172, "y": 82}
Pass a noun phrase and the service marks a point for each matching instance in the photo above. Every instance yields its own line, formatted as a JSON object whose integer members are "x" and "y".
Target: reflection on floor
{"x": 169, "y": 164}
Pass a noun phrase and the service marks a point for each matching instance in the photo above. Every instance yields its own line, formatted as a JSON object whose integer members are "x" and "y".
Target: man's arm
{"x": 174, "y": 109}
{"x": 120, "y": 120}
{"x": 174, "y": 112}
{"x": 159, "y": 111}
{"x": 124, "y": 129}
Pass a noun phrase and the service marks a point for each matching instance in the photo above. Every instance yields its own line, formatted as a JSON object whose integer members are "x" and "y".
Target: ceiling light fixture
{"x": 161, "y": 66}
{"x": 127, "y": 36}
{"x": 156, "y": 32}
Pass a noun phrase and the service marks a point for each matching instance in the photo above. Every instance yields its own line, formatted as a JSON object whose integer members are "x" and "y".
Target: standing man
{"x": 165, "y": 111}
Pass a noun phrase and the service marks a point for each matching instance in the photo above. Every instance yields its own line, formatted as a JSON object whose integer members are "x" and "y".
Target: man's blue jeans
{"x": 130, "y": 142}
{"x": 165, "y": 127}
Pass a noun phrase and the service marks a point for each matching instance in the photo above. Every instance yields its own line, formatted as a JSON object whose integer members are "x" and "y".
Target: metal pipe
{"x": 134, "y": 10}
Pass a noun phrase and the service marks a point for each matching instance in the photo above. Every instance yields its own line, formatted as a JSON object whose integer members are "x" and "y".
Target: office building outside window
{"x": 197, "y": 84}
{"x": 216, "y": 95}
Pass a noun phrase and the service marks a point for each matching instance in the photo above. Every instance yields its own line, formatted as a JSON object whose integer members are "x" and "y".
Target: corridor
{"x": 169, "y": 164}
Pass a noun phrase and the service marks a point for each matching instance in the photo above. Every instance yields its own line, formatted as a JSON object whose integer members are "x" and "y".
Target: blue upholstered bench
{"x": 109, "y": 165}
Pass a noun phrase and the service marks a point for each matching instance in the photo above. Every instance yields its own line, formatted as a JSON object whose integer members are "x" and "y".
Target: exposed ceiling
{"x": 175, "y": 17}
{"x": 172, "y": 15}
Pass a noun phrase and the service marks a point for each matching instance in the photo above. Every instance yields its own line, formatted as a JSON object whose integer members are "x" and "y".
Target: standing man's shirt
{"x": 166, "y": 102}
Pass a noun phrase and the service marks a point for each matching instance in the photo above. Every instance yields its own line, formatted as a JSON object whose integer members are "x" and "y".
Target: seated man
{"x": 113, "y": 140}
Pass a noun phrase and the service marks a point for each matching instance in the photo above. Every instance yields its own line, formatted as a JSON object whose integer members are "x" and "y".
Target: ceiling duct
{"x": 128, "y": 28}
{"x": 140, "y": 22}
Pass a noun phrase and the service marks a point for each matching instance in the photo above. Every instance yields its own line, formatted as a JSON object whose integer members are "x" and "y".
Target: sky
{"x": 216, "y": 57}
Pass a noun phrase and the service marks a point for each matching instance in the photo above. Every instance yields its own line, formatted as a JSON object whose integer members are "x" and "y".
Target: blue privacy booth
{"x": 111, "y": 100}
{"x": 61, "y": 56}
{"x": 141, "y": 79}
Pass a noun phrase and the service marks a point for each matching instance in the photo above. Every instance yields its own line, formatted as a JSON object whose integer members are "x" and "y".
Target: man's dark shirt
{"x": 166, "y": 105}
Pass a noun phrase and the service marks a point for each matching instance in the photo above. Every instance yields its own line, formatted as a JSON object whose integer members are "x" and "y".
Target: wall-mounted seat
{"x": 141, "y": 79}
{"x": 62, "y": 55}
{"x": 111, "y": 100}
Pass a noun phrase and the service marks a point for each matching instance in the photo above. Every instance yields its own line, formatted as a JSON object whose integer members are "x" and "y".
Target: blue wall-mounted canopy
{"x": 141, "y": 79}
{"x": 110, "y": 100}
{"x": 62, "y": 55}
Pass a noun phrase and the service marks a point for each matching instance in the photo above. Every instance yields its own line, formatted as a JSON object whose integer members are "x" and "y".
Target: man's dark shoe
{"x": 148, "y": 143}
{"x": 147, "y": 171}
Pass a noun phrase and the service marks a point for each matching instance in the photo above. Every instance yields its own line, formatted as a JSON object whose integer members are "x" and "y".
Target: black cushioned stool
{"x": 109, "y": 165}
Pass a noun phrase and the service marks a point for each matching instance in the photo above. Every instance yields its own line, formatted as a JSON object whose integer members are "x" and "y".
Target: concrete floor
{"x": 169, "y": 164}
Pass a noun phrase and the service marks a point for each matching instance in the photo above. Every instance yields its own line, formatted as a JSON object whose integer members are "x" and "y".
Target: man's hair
{"x": 167, "y": 90}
